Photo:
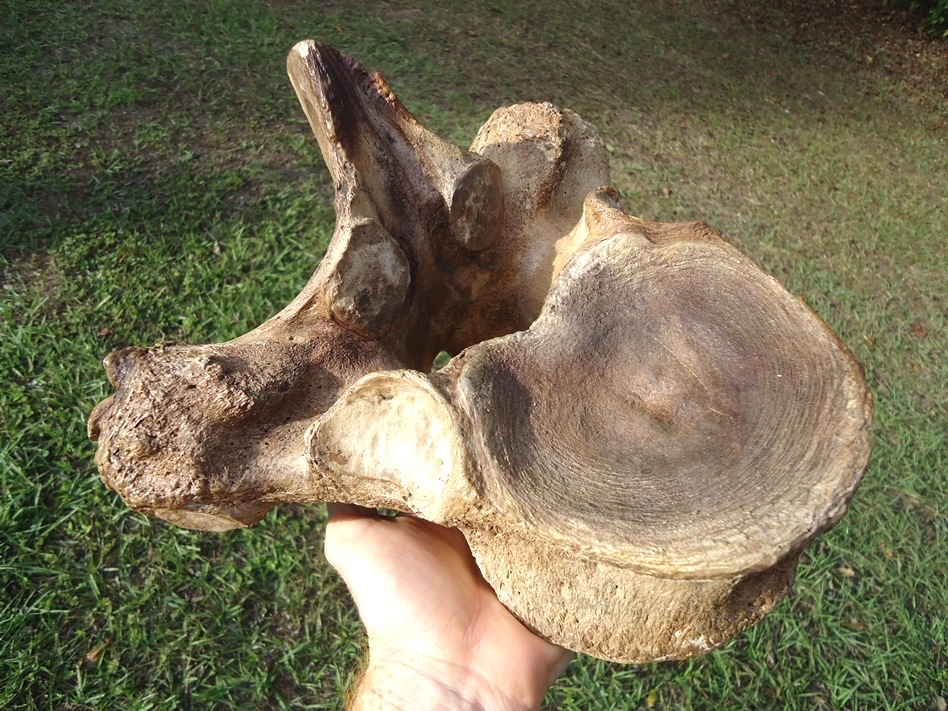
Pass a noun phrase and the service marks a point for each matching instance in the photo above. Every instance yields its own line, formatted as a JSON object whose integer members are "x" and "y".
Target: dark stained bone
{"x": 642, "y": 435}
{"x": 211, "y": 436}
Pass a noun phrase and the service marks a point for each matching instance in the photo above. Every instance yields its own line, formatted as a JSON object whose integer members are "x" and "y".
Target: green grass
{"x": 158, "y": 182}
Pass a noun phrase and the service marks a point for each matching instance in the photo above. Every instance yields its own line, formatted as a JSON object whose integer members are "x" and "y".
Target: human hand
{"x": 438, "y": 636}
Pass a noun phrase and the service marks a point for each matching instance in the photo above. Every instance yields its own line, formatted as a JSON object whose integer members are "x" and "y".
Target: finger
{"x": 564, "y": 658}
{"x": 344, "y": 512}
{"x": 346, "y": 531}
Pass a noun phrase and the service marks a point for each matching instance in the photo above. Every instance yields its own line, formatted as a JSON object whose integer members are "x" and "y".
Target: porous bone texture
{"x": 642, "y": 434}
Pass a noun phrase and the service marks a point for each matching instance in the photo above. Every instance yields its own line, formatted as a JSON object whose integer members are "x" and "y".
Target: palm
{"x": 419, "y": 593}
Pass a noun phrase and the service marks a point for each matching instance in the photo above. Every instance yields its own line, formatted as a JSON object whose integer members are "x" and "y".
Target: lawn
{"x": 158, "y": 182}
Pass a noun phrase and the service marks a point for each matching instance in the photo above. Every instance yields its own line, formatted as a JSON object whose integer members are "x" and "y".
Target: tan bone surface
{"x": 639, "y": 434}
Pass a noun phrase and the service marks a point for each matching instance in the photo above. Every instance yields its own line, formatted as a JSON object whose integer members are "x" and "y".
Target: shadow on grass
{"x": 682, "y": 92}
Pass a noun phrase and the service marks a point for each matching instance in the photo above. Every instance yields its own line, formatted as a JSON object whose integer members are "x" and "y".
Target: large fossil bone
{"x": 641, "y": 436}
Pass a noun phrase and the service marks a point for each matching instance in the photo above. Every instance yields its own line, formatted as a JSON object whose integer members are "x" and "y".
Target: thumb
{"x": 349, "y": 527}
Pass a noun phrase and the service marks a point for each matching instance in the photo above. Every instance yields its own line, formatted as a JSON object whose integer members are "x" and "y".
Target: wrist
{"x": 398, "y": 680}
